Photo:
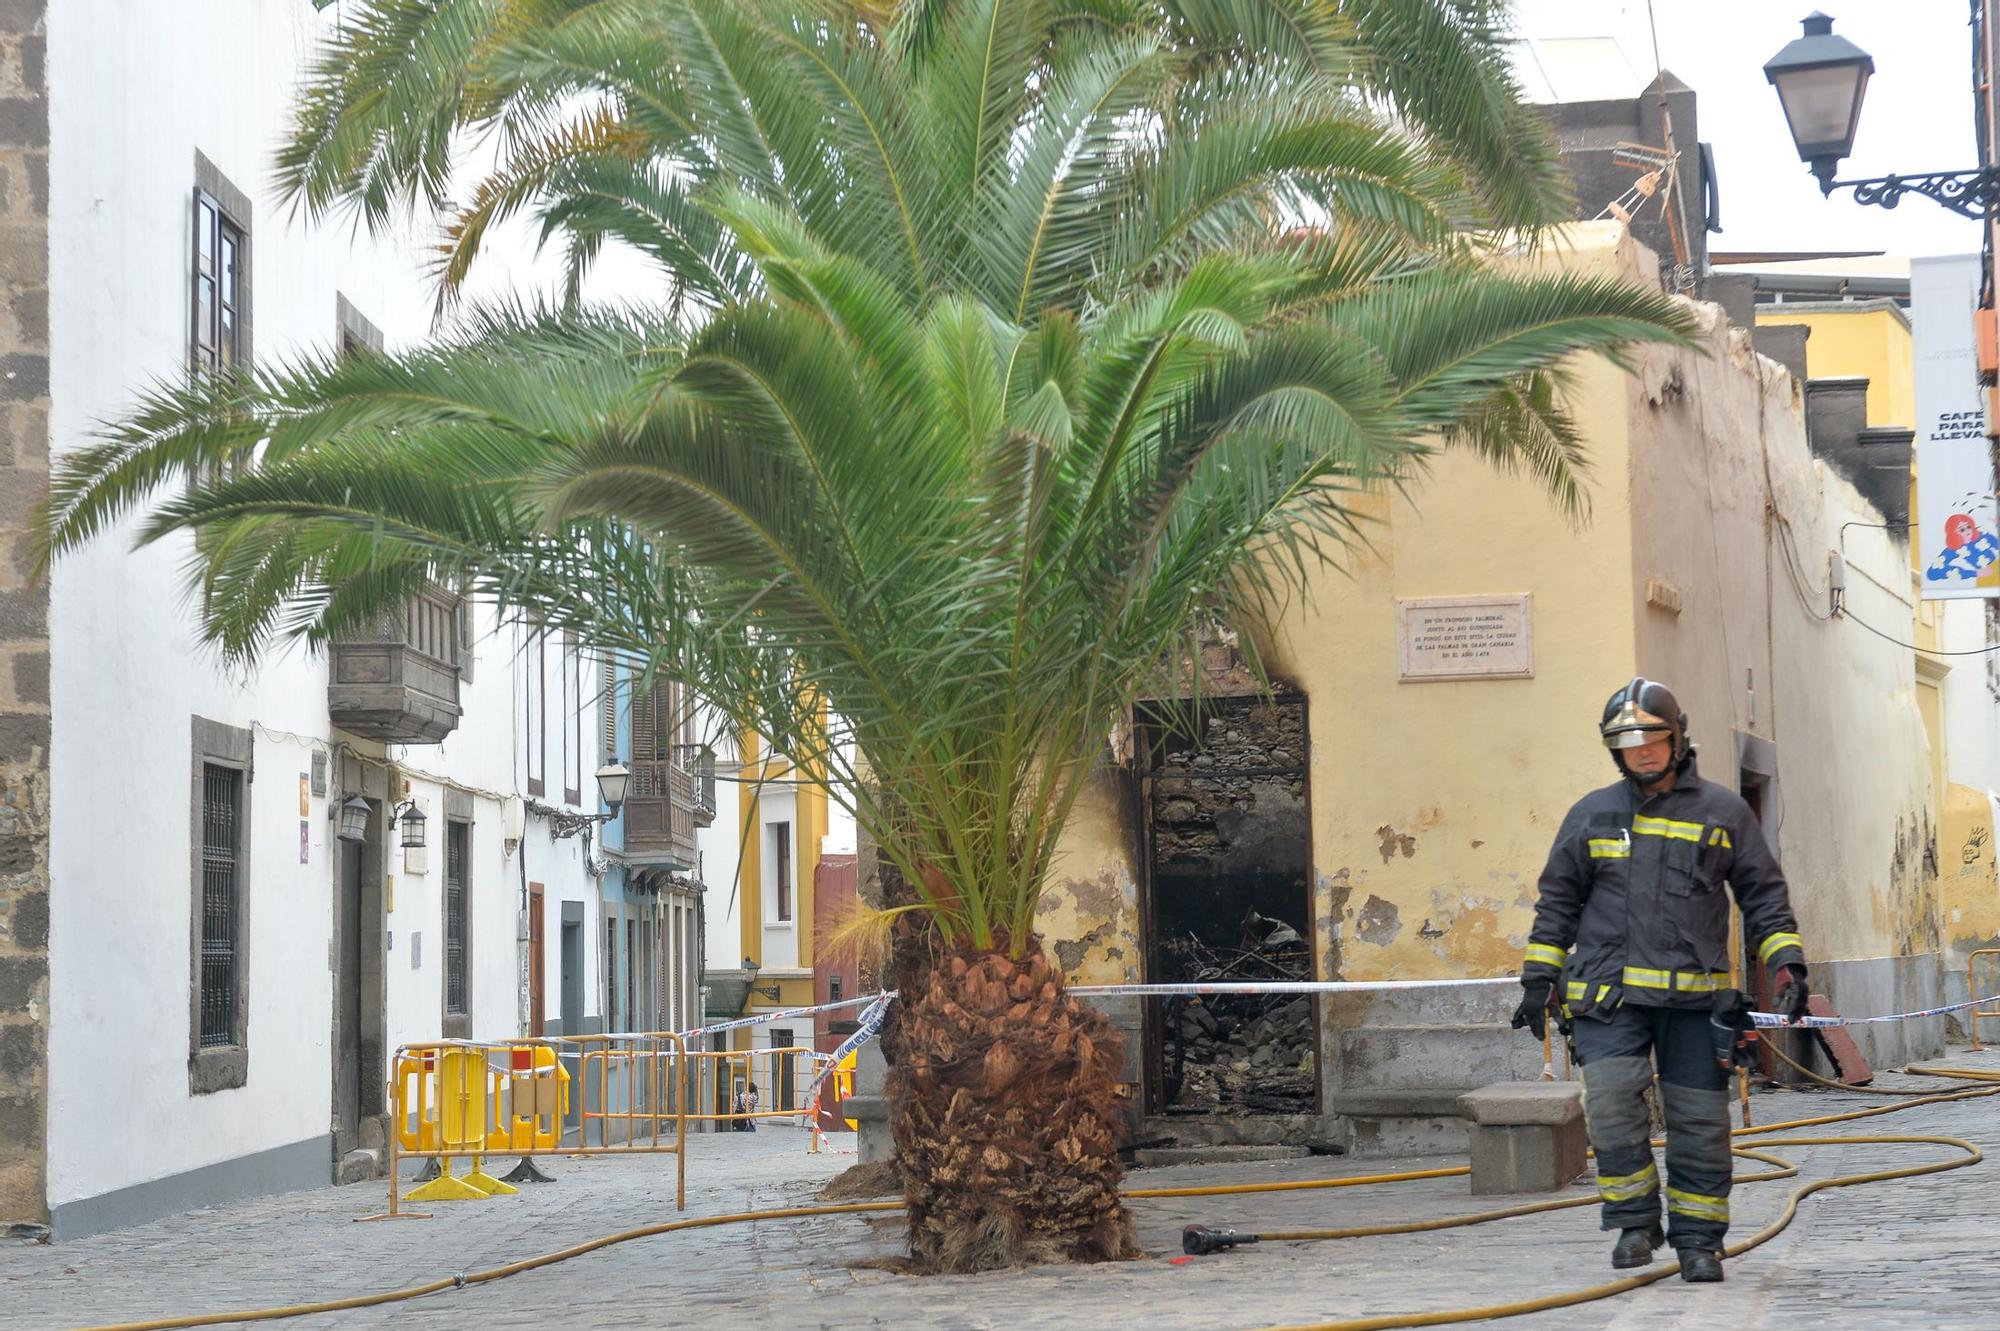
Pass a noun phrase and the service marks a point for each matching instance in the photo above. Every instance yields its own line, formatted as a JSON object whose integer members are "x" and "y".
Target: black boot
{"x": 1701, "y": 1266}
{"x": 1635, "y": 1247}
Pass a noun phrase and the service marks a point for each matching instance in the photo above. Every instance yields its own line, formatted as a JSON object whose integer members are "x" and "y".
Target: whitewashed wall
{"x": 136, "y": 91}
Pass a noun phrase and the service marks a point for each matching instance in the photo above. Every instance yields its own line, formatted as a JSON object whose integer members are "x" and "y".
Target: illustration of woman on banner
{"x": 1968, "y": 552}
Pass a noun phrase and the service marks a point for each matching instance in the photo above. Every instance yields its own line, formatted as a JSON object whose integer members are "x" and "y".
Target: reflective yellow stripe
{"x": 1695, "y": 1204}
{"x": 1720, "y": 837}
{"x": 1574, "y": 990}
{"x": 1609, "y": 848}
{"x": 1547, "y": 954}
{"x": 1628, "y": 1187}
{"x": 1672, "y": 829}
{"x": 1603, "y": 992}
{"x": 1686, "y": 982}
{"x": 1775, "y": 942}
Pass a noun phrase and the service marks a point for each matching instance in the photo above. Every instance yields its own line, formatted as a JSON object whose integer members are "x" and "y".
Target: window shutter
{"x": 607, "y": 709}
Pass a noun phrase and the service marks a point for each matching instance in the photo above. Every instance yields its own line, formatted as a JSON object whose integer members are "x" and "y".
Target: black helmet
{"x": 1635, "y": 715}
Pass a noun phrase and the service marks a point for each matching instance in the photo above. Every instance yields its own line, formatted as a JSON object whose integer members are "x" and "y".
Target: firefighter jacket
{"x": 1632, "y": 907}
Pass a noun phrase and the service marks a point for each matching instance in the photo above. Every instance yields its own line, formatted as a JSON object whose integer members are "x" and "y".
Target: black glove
{"x": 1534, "y": 1010}
{"x": 1792, "y": 993}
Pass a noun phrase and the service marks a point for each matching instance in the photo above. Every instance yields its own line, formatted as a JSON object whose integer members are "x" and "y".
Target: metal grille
{"x": 454, "y": 919}
{"x": 221, "y": 805}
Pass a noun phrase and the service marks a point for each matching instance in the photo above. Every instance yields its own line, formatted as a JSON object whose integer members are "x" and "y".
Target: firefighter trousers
{"x": 1619, "y": 1056}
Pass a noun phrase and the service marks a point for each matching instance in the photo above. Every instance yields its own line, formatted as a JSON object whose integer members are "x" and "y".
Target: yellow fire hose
{"x": 1972, "y": 1156}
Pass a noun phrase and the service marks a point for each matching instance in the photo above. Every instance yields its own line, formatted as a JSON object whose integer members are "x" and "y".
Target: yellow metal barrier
{"x": 782, "y": 1078}
{"x": 465, "y": 1099}
{"x": 1973, "y": 1015}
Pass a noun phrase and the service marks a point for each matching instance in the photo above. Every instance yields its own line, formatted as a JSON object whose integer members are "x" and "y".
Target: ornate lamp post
{"x": 1820, "y": 80}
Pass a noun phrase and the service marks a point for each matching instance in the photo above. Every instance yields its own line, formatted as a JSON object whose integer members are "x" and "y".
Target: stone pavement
{"x": 1903, "y": 1254}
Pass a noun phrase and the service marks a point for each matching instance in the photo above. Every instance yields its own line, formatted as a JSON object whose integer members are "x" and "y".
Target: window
{"x": 537, "y": 716}
{"x": 219, "y": 298}
{"x": 610, "y": 973}
{"x": 632, "y": 974}
{"x": 221, "y": 852}
{"x": 833, "y": 988}
{"x": 781, "y": 860}
{"x": 219, "y": 288}
{"x": 219, "y": 933}
{"x": 571, "y": 720}
{"x": 457, "y": 935}
{"x": 607, "y": 712}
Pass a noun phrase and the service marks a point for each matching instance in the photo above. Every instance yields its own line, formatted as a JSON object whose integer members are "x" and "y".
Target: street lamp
{"x": 614, "y": 780}
{"x": 1821, "y": 79}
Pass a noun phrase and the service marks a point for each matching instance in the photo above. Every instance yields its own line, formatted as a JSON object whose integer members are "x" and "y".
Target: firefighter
{"x": 1631, "y": 940}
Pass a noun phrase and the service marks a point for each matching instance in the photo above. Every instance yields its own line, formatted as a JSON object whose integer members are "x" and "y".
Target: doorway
{"x": 359, "y": 1071}
{"x": 1227, "y": 836}
{"x": 571, "y": 963}
{"x": 538, "y": 964}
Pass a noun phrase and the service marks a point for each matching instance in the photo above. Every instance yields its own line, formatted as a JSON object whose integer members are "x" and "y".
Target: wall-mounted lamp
{"x": 353, "y": 814}
{"x": 413, "y": 822}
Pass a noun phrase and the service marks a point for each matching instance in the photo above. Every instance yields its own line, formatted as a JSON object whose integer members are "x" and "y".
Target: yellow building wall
{"x": 1871, "y": 343}
{"x": 1433, "y": 805}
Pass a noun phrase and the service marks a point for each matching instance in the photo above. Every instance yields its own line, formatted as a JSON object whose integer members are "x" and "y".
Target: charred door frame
{"x": 1152, "y": 1038}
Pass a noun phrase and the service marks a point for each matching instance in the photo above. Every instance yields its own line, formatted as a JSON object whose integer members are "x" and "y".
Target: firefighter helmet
{"x": 1641, "y": 712}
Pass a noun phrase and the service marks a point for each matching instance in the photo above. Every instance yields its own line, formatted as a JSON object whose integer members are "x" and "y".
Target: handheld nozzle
{"x": 1200, "y": 1240}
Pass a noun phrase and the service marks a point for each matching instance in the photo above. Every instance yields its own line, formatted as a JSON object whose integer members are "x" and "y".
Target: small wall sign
{"x": 1465, "y": 637}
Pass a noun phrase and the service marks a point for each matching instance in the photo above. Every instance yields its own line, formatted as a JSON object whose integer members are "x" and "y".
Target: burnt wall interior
{"x": 1228, "y": 884}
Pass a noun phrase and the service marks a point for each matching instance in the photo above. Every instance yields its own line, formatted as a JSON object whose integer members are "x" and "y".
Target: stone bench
{"x": 1527, "y": 1136}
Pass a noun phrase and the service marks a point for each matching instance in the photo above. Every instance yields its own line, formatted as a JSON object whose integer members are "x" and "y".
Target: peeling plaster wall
{"x": 1089, "y": 913}
{"x": 1717, "y": 442}
{"x": 1969, "y": 904}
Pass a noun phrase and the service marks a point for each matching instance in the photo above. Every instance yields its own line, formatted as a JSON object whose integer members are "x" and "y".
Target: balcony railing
{"x": 397, "y": 679}
{"x": 660, "y": 815}
{"x": 699, "y": 761}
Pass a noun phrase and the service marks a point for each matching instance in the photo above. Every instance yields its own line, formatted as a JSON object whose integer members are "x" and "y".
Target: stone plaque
{"x": 1465, "y": 637}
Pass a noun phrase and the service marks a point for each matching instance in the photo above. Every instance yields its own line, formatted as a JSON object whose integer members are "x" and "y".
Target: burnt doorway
{"x": 359, "y": 1071}
{"x": 1228, "y": 896}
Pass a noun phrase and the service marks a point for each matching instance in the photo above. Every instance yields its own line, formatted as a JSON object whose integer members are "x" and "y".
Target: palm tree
{"x": 1007, "y": 349}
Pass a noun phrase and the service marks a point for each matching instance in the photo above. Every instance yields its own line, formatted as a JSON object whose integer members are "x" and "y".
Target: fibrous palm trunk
{"x": 1006, "y": 1105}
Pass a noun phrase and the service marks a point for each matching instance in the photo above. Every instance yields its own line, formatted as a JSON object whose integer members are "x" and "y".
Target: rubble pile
{"x": 1241, "y": 1053}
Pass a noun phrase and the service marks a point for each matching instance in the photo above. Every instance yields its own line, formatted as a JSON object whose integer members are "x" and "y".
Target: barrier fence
{"x": 466, "y": 1100}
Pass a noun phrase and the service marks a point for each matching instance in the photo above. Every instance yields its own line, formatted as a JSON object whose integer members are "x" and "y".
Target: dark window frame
{"x": 781, "y": 862}
{"x": 537, "y": 703}
{"x": 572, "y": 720}
{"x": 219, "y": 211}
{"x": 610, "y": 967}
{"x": 216, "y": 747}
{"x": 457, "y": 1023}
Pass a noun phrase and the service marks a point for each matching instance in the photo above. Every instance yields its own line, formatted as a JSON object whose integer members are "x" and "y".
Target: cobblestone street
{"x": 1905, "y": 1253}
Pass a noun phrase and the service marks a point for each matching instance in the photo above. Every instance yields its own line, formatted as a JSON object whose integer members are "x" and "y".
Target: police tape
{"x": 878, "y": 1002}
{"x": 763, "y": 1017}
{"x": 866, "y": 1029}
{"x": 1777, "y": 1019}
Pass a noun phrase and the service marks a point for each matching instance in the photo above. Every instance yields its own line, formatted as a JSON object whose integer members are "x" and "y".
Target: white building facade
{"x": 201, "y": 982}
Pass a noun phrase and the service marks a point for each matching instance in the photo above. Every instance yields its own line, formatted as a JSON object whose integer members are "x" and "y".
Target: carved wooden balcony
{"x": 397, "y": 680}
{"x": 660, "y": 816}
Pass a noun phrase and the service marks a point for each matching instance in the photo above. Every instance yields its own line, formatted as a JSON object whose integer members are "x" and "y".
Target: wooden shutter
{"x": 607, "y": 710}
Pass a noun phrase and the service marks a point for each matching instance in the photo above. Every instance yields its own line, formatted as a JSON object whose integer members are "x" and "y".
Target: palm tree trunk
{"x": 1006, "y": 1108}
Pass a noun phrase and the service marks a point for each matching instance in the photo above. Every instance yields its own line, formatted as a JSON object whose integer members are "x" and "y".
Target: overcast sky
{"x": 1917, "y": 116}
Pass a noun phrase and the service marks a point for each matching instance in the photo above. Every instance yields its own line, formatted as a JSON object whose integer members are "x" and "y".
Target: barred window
{"x": 455, "y": 838}
{"x": 221, "y": 856}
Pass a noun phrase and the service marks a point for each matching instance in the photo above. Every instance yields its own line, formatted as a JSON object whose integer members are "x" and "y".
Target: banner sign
{"x": 1957, "y": 534}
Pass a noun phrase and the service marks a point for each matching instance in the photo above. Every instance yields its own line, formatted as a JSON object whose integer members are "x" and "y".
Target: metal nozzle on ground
{"x": 1200, "y": 1240}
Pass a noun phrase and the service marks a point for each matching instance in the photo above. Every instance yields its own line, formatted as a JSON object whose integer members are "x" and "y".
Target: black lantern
{"x": 353, "y": 812}
{"x": 613, "y": 780}
{"x": 413, "y": 823}
{"x": 1820, "y": 80}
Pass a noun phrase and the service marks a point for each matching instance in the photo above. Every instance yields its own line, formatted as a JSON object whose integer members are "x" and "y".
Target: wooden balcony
{"x": 660, "y": 816}
{"x": 397, "y": 680}
{"x": 699, "y": 762}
